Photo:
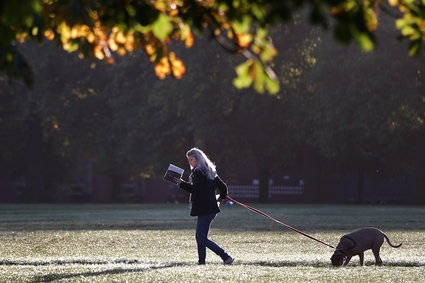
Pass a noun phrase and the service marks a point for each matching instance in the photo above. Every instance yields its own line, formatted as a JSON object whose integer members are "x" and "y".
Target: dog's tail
{"x": 389, "y": 243}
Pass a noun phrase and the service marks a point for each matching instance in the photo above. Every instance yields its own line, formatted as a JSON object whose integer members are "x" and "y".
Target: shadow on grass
{"x": 98, "y": 263}
{"x": 54, "y": 277}
{"x": 153, "y": 265}
{"x": 69, "y": 261}
{"x": 322, "y": 264}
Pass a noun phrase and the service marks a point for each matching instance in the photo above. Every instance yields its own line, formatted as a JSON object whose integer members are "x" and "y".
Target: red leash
{"x": 277, "y": 221}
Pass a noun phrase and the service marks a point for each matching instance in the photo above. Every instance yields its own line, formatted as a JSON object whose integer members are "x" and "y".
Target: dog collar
{"x": 346, "y": 249}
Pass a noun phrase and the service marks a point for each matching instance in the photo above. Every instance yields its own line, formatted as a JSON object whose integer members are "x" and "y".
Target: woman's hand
{"x": 177, "y": 181}
{"x": 219, "y": 199}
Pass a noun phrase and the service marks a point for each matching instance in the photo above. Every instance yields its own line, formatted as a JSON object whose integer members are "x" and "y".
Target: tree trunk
{"x": 312, "y": 178}
{"x": 116, "y": 190}
{"x": 34, "y": 175}
{"x": 360, "y": 185}
{"x": 417, "y": 193}
{"x": 264, "y": 176}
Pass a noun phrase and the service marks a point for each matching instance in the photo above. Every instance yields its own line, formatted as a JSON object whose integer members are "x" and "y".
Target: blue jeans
{"x": 202, "y": 228}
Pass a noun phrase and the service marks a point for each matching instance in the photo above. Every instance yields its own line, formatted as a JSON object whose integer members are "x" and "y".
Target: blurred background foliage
{"x": 337, "y": 109}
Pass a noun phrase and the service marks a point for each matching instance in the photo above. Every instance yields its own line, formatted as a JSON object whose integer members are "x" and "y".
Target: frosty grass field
{"x": 155, "y": 243}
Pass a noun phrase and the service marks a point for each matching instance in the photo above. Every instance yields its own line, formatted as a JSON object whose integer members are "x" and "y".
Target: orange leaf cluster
{"x": 177, "y": 66}
{"x": 104, "y": 39}
{"x": 162, "y": 68}
{"x": 185, "y": 35}
{"x": 121, "y": 42}
{"x": 244, "y": 39}
{"x": 168, "y": 6}
{"x": 170, "y": 65}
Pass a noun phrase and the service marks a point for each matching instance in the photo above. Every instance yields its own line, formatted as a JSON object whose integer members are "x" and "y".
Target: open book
{"x": 173, "y": 172}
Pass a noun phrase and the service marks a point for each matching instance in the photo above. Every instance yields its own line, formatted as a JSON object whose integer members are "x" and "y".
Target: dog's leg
{"x": 361, "y": 256}
{"x": 347, "y": 260}
{"x": 378, "y": 260}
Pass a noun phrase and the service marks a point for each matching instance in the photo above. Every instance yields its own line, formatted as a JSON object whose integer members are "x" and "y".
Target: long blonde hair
{"x": 204, "y": 163}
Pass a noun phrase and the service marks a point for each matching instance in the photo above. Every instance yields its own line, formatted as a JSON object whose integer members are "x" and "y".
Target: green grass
{"x": 155, "y": 243}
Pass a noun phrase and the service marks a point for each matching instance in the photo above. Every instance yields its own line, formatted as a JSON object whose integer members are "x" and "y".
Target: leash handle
{"x": 277, "y": 221}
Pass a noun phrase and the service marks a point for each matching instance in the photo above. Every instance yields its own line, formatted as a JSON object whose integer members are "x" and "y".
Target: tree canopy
{"x": 101, "y": 29}
{"x": 343, "y": 111}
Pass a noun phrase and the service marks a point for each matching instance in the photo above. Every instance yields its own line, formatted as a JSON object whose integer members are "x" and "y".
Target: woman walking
{"x": 202, "y": 186}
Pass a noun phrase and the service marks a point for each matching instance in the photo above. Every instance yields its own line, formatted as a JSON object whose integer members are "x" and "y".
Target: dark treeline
{"x": 339, "y": 110}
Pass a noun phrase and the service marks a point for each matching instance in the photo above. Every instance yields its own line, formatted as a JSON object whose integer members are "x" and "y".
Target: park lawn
{"x": 155, "y": 243}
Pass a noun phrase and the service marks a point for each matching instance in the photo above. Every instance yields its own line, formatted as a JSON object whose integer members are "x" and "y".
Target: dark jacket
{"x": 203, "y": 192}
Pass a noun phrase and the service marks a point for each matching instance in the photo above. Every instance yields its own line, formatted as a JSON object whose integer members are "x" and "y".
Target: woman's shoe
{"x": 229, "y": 260}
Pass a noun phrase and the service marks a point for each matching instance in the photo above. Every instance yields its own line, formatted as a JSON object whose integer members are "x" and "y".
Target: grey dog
{"x": 357, "y": 242}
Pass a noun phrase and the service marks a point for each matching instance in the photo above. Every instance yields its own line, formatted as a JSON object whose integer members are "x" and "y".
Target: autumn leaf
{"x": 162, "y": 68}
{"x": 177, "y": 66}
